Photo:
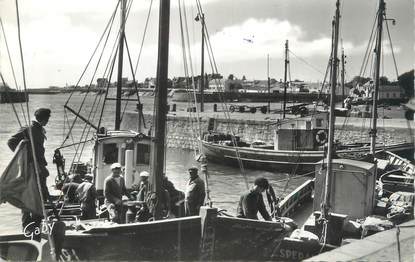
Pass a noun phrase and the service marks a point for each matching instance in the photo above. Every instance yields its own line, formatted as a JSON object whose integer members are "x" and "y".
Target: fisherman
{"x": 143, "y": 186}
{"x": 42, "y": 116}
{"x": 176, "y": 197}
{"x": 114, "y": 190}
{"x": 195, "y": 193}
{"x": 87, "y": 195}
{"x": 251, "y": 202}
{"x": 70, "y": 188}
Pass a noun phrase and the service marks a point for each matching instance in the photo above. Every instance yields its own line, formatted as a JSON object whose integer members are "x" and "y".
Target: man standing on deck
{"x": 252, "y": 202}
{"x": 42, "y": 116}
{"x": 195, "y": 193}
{"x": 114, "y": 190}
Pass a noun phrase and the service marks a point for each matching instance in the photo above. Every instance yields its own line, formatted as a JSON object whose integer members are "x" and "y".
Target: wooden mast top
{"x": 160, "y": 105}
{"x": 378, "y": 50}
{"x": 333, "y": 84}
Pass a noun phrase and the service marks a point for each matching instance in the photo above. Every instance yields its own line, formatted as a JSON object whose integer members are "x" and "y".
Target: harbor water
{"x": 225, "y": 183}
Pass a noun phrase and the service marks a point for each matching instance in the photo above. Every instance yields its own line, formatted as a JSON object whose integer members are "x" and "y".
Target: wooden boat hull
{"x": 178, "y": 239}
{"x": 286, "y": 160}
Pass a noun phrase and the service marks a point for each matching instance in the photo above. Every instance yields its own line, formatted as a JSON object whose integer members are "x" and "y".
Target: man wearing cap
{"x": 143, "y": 187}
{"x": 87, "y": 195}
{"x": 114, "y": 190}
{"x": 252, "y": 202}
{"x": 195, "y": 193}
{"x": 42, "y": 116}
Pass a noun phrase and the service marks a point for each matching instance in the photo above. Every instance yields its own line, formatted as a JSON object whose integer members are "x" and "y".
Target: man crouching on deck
{"x": 251, "y": 202}
{"x": 114, "y": 190}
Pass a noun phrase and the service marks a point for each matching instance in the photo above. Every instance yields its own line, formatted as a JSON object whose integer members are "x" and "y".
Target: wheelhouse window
{"x": 143, "y": 154}
{"x": 319, "y": 122}
{"x": 110, "y": 153}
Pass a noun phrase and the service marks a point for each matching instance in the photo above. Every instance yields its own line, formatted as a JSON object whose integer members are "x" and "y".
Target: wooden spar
{"x": 378, "y": 50}
{"x": 202, "y": 67}
{"x": 333, "y": 83}
{"x": 120, "y": 63}
{"x": 81, "y": 117}
{"x": 160, "y": 104}
{"x": 285, "y": 78}
{"x": 269, "y": 86}
{"x": 342, "y": 76}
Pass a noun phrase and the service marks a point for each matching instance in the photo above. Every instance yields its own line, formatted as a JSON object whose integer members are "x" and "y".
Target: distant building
{"x": 390, "y": 92}
{"x": 102, "y": 82}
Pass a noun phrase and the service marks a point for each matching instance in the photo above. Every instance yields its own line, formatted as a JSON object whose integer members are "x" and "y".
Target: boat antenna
{"x": 120, "y": 63}
{"x": 160, "y": 104}
{"x": 378, "y": 49}
{"x": 333, "y": 83}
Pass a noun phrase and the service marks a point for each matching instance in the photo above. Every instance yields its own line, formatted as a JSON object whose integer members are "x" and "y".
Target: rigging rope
{"x": 51, "y": 241}
{"x": 14, "y": 78}
{"x": 221, "y": 97}
{"x": 109, "y": 25}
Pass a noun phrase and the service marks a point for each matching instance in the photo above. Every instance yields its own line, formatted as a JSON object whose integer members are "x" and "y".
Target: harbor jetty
{"x": 258, "y": 126}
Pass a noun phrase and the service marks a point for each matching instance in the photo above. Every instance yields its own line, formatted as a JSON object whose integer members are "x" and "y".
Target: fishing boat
{"x": 381, "y": 185}
{"x": 298, "y": 144}
{"x": 207, "y": 236}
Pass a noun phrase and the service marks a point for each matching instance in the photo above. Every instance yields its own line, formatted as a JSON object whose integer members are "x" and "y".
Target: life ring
{"x": 321, "y": 137}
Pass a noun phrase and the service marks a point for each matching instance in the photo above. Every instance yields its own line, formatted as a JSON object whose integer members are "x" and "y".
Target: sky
{"x": 59, "y": 37}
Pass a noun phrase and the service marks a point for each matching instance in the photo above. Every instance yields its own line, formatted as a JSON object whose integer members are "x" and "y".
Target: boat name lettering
{"x": 292, "y": 254}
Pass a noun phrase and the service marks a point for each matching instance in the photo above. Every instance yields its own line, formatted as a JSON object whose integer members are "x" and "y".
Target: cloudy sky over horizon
{"x": 59, "y": 36}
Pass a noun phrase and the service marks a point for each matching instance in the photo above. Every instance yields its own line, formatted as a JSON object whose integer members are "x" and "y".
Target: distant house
{"x": 217, "y": 84}
{"x": 150, "y": 82}
{"x": 390, "y": 92}
{"x": 102, "y": 82}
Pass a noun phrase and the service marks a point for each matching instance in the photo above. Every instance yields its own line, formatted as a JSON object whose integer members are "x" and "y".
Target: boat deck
{"x": 382, "y": 246}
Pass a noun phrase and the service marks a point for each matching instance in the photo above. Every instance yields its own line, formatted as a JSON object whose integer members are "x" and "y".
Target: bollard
{"x": 173, "y": 109}
{"x": 215, "y": 108}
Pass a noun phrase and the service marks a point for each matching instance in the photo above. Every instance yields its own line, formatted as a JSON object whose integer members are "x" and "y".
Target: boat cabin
{"x": 352, "y": 189}
{"x": 302, "y": 134}
{"x": 129, "y": 148}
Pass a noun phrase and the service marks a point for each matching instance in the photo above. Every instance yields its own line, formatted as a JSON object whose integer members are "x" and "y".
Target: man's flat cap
{"x": 42, "y": 113}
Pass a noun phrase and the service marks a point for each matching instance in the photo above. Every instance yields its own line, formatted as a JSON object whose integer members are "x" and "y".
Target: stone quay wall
{"x": 182, "y": 130}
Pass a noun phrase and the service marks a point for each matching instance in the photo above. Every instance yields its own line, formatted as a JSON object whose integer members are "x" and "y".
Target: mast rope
{"x": 80, "y": 146}
{"x": 306, "y": 63}
{"x": 185, "y": 68}
{"x": 108, "y": 26}
{"x": 224, "y": 104}
{"x": 50, "y": 239}
{"x": 14, "y": 78}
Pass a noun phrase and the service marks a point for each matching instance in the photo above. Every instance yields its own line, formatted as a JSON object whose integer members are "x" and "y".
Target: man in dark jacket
{"x": 114, "y": 190}
{"x": 195, "y": 193}
{"x": 252, "y": 202}
{"x": 87, "y": 195}
{"x": 42, "y": 116}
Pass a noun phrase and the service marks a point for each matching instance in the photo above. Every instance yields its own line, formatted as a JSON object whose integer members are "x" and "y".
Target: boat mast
{"x": 285, "y": 78}
{"x": 120, "y": 63}
{"x": 269, "y": 86}
{"x": 342, "y": 76}
{"x": 202, "y": 67}
{"x": 378, "y": 50}
{"x": 333, "y": 83}
{"x": 160, "y": 105}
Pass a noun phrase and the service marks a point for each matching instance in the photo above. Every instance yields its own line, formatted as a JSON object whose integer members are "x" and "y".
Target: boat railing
{"x": 300, "y": 195}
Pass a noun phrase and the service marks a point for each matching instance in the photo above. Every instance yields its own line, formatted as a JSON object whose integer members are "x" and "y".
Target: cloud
{"x": 255, "y": 38}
